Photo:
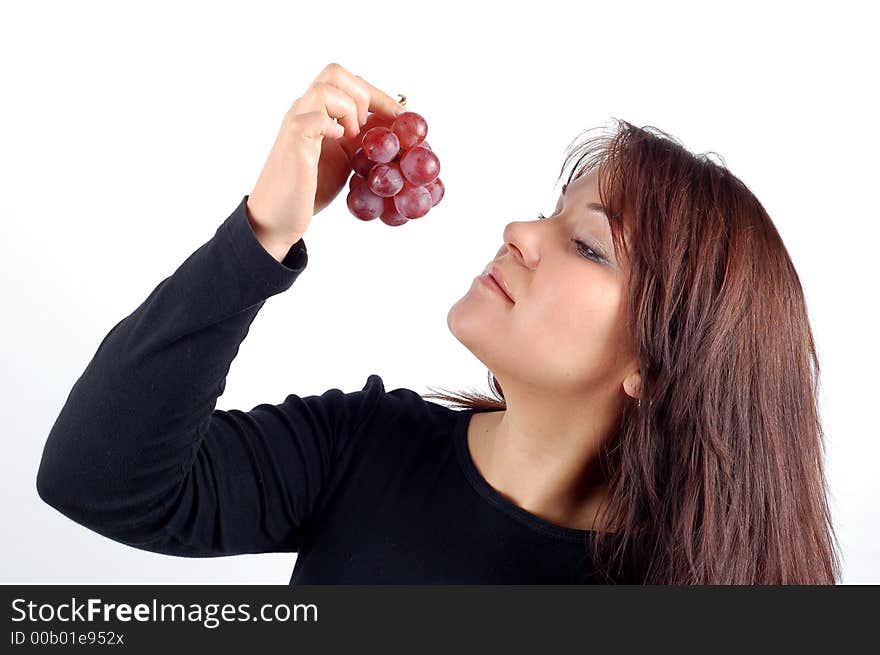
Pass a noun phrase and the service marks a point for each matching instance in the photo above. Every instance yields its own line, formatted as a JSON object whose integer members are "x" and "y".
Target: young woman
{"x": 655, "y": 418}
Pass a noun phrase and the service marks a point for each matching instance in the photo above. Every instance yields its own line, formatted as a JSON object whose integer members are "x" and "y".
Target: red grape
{"x": 413, "y": 201}
{"x": 356, "y": 180}
{"x": 361, "y": 163}
{"x": 385, "y": 179}
{"x": 396, "y": 172}
{"x": 380, "y": 144}
{"x": 390, "y": 216}
{"x": 420, "y": 165}
{"x": 410, "y": 129}
{"x": 374, "y": 120}
{"x": 436, "y": 189}
{"x": 364, "y": 204}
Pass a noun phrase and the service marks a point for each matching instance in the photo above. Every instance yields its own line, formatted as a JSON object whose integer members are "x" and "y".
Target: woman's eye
{"x": 583, "y": 248}
{"x": 588, "y": 252}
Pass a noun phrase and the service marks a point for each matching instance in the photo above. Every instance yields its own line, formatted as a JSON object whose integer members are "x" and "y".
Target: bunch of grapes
{"x": 396, "y": 172}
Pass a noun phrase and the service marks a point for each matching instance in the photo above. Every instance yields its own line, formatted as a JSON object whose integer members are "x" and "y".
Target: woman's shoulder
{"x": 401, "y": 413}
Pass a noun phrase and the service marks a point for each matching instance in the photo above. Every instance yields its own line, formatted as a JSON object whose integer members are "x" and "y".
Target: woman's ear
{"x": 632, "y": 384}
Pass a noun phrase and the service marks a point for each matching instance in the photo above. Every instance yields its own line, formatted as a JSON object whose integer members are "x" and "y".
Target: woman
{"x": 656, "y": 416}
{"x": 676, "y": 391}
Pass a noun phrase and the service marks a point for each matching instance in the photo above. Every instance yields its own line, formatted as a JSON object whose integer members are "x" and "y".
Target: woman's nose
{"x": 519, "y": 239}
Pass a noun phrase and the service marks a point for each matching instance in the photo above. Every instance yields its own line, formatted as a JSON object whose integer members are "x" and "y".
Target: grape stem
{"x": 402, "y": 101}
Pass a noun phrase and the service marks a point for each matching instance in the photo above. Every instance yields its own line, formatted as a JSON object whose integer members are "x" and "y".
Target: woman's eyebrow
{"x": 598, "y": 207}
{"x": 592, "y": 206}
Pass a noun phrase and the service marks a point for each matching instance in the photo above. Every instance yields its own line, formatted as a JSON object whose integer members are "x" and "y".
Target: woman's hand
{"x": 310, "y": 160}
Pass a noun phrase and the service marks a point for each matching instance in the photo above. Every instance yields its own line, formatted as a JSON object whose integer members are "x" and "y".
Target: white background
{"x": 130, "y": 131}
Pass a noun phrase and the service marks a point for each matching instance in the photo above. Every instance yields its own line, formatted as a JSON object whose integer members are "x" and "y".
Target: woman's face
{"x": 564, "y": 331}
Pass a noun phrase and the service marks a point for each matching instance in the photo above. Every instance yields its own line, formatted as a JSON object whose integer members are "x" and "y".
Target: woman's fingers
{"x": 381, "y": 102}
{"x": 342, "y": 79}
{"x": 373, "y": 106}
{"x": 315, "y": 124}
{"x": 368, "y": 97}
{"x": 336, "y": 103}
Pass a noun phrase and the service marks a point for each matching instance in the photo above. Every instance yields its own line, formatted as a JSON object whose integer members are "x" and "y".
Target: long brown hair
{"x": 717, "y": 477}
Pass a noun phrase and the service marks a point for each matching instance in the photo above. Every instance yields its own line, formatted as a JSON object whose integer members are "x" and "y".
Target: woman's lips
{"x": 498, "y": 276}
{"x": 492, "y": 277}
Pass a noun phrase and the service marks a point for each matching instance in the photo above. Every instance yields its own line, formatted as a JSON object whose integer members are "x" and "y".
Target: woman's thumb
{"x": 335, "y": 130}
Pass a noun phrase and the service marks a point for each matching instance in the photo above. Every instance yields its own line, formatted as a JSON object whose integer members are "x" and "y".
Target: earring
{"x": 639, "y": 402}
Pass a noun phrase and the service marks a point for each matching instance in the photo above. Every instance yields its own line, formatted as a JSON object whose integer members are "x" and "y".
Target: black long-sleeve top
{"x": 368, "y": 487}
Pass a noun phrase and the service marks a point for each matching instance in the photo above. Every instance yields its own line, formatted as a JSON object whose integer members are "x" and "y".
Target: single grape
{"x": 436, "y": 189}
{"x": 413, "y": 201}
{"x": 410, "y": 128}
{"x": 380, "y": 144}
{"x": 360, "y": 163}
{"x": 420, "y": 165}
{"x": 355, "y": 180}
{"x": 390, "y": 216}
{"x": 363, "y": 203}
{"x": 385, "y": 179}
{"x": 376, "y": 120}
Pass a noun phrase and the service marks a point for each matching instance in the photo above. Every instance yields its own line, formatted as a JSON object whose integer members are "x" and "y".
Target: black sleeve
{"x": 139, "y": 454}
